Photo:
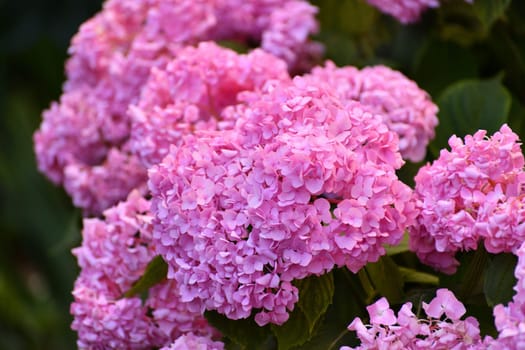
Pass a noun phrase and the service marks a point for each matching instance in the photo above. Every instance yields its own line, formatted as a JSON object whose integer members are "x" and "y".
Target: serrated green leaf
{"x": 468, "y": 106}
{"x": 413, "y": 276}
{"x": 244, "y": 333}
{"x": 315, "y": 296}
{"x": 294, "y": 332}
{"x": 499, "y": 279}
{"x": 386, "y": 278}
{"x": 155, "y": 272}
{"x": 349, "y": 301}
{"x": 453, "y": 62}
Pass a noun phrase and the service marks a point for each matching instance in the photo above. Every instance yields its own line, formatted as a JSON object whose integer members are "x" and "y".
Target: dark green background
{"x": 38, "y": 226}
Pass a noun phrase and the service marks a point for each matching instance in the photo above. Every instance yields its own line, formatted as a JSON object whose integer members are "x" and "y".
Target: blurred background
{"x": 38, "y": 225}
{"x": 470, "y": 58}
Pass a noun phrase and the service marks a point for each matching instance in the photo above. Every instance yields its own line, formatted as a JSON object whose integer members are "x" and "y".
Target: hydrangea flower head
{"x": 300, "y": 185}
{"x": 112, "y": 56}
{"x": 464, "y": 196}
{"x": 442, "y": 329}
{"x": 510, "y": 319}
{"x": 407, "y": 110}
{"x": 113, "y": 255}
{"x": 191, "y": 341}
{"x": 405, "y": 11}
{"x": 190, "y": 93}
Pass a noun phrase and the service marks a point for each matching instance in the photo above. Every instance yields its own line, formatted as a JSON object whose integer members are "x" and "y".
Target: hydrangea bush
{"x": 264, "y": 197}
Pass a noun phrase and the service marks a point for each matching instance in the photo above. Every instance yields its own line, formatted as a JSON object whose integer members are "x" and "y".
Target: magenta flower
{"x": 406, "y": 331}
{"x": 191, "y": 341}
{"x": 470, "y": 193}
{"x": 190, "y": 93}
{"x": 407, "y": 110}
{"x": 113, "y": 255}
{"x": 510, "y": 319}
{"x": 112, "y": 56}
{"x": 405, "y": 11}
{"x": 445, "y": 303}
{"x": 300, "y": 185}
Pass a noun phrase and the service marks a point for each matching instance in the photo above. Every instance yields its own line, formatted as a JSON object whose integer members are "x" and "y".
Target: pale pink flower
{"x": 112, "y": 56}
{"x": 113, "y": 256}
{"x": 191, "y": 341}
{"x": 469, "y": 194}
{"x": 190, "y": 93}
{"x": 406, "y": 109}
{"x": 406, "y": 11}
{"x": 240, "y": 214}
{"x": 406, "y": 331}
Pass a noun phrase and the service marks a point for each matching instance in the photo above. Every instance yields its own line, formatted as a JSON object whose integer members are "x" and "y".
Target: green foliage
{"x": 499, "y": 279}
{"x": 470, "y": 105}
{"x": 156, "y": 272}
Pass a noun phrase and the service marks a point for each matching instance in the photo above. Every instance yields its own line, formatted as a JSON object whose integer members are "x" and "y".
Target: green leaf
{"x": 468, "y": 106}
{"x": 349, "y": 301}
{"x": 413, "y": 276}
{"x": 499, "y": 279}
{"x": 466, "y": 23}
{"x": 315, "y": 295}
{"x": 488, "y": 11}
{"x": 386, "y": 278}
{"x": 294, "y": 332}
{"x": 402, "y": 247}
{"x": 244, "y": 333}
{"x": 155, "y": 273}
{"x": 453, "y": 62}
{"x": 351, "y": 30}
{"x": 234, "y": 45}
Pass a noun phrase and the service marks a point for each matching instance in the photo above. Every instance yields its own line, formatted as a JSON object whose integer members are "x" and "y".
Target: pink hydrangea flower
{"x": 442, "y": 329}
{"x": 470, "y": 193}
{"x": 510, "y": 319}
{"x": 191, "y": 92}
{"x": 190, "y": 341}
{"x": 407, "y": 110}
{"x": 111, "y": 59}
{"x": 302, "y": 184}
{"x": 405, "y": 11}
{"x": 114, "y": 254}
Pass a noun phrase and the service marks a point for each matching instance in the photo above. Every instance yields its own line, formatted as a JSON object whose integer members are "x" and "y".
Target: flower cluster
{"x": 442, "y": 329}
{"x": 406, "y": 11}
{"x": 510, "y": 319}
{"x": 191, "y": 341}
{"x": 302, "y": 184}
{"x": 190, "y": 93}
{"x": 256, "y": 179}
{"x": 111, "y": 59}
{"x": 407, "y": 110}
{"x": 114, "y": 254}
{"x": 472, "y": 192}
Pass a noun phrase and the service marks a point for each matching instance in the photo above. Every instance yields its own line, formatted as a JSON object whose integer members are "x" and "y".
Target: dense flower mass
{"x": 405, "y": 11}
{"x": 111, "y": 59}
{"x": 114, "y": 254}
{"x": 190, "y": 93}
{"x": 510, "y": 319}
{"x": 442, "y": 329}
{"x": 407, "y": 110}
{"x": 472, "y": 192}
{"x": 192, "y": 342}
{"x": 302, "y": 184}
